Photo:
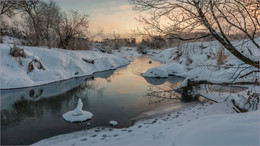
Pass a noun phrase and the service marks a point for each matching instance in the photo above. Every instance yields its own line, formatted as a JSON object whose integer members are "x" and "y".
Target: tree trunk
{"x": 226, "y": 43}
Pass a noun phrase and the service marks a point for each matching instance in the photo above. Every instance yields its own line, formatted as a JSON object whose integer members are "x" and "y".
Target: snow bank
{"x": 156, "y": 72}
{"x": 164, "y": 70}
{"x": 59, "y": 64}
{"x": 174, "y": 68}
{"x": 127, "y": 52}
{"x": 198, "y": 61}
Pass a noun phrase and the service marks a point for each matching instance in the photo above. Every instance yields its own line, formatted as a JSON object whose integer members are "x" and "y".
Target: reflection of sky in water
{"x": 35, "y": 113}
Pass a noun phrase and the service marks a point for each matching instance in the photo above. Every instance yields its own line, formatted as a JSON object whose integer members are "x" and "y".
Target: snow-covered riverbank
{"x": 201, "y": 124}
{"x": 58, "y": 64}
{"x": 207, "y": 61}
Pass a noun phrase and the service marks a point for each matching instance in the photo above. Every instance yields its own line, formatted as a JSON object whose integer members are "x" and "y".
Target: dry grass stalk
{"x": 221, "y": 57}
{"x": 38, "y": 64}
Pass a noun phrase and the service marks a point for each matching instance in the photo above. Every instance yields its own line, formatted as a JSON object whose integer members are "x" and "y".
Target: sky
{"x": 113, "y": 16}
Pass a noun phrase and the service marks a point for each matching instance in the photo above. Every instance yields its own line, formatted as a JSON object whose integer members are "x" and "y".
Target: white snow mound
{"x": 157, "y": 72}
{"x": 77, "y": 115}
{"x": 113, "y": 123}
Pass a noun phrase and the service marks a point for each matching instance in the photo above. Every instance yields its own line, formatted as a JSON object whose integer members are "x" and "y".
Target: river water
{"x": 32, "y": 114}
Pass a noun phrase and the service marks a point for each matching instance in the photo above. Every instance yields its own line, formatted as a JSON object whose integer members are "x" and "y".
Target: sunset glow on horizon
{"x": 113, "y": 16}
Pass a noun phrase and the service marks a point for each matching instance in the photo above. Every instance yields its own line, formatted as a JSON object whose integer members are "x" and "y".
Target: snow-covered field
{"x": 59, "y": 64}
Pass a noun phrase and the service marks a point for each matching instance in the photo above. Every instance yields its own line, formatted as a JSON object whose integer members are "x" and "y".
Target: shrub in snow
{"x": 156, "y": 72}
{"x": 17, "y": 52}
{"x": 77, "y": 115}
{"x": 157, "y": 42}
{"x": 188, "y": 59}
{"x": 37, "y": 63}
{"x": 113, "y": 123}
{"x": 221, "y": 57}
{"x": 142, "y": 48}
{"x": 78, "y": 43}
{"x": 88, "y": 61}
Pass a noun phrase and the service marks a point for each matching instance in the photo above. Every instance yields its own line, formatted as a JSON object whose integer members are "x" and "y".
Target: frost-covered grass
{"x": 59, "y": 64}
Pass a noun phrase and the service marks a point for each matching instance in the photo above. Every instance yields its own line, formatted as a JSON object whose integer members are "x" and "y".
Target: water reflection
{"x": 9, "y": 97}
{"x": 31, "y": 114}
{"x": 155, "y": 81}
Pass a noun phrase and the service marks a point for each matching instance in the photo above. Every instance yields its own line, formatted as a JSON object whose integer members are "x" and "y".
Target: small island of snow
{"x": 77, "y": 115}
{"x": 156, "y": 72}
{"x": 113, "y": 123}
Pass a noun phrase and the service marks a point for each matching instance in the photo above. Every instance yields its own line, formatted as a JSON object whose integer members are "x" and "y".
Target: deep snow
{"x": 59, "y": 64}
{"x": 197, "y": 61}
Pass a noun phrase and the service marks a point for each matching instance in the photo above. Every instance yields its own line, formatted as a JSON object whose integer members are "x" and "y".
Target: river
{"x": 32, "y": 114}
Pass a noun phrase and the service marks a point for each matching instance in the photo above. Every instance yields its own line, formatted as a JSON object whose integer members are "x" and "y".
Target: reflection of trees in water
{"x": 93, "y": 85}
{"x": 194, "y": 91}
{"x": 245, "y": 102}
{"x": 56, "y": 105}
{"x": 162, "y": 93}
{"x": 226, "y": 92}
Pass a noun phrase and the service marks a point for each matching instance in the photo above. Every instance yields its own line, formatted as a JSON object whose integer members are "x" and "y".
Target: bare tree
{"x": 40, "y": 19}
{"x": 219, "y": 18}
{"x": 7, "y": 7}
{"x": 72, "y": 25}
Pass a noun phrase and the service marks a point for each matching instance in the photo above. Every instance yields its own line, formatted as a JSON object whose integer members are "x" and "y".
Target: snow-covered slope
{"x": 58, "y": 65}
{"x": 198, "y": 61}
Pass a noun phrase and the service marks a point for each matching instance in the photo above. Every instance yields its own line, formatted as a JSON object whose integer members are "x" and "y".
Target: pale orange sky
{"x": 111, "y": 15}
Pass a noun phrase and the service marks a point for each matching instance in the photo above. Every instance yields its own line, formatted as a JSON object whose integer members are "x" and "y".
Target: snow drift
{"x": 58, "y": 65}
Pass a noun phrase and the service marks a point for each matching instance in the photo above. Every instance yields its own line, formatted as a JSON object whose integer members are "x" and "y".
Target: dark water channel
{"x": 32, "y": 114}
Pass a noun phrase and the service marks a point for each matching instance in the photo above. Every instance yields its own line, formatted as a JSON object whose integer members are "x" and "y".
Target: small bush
{"x": 188, "y": 60}
{"x": 142, "y": 48}
{"x": 17, "y": 52}
{"x": 88, "y": 61}
{"x": 37, "y": 63}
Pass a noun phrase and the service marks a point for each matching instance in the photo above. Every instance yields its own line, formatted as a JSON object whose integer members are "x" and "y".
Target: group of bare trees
{"x": 45, "y": 23}
{"x": 218, "y": 18}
